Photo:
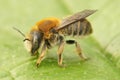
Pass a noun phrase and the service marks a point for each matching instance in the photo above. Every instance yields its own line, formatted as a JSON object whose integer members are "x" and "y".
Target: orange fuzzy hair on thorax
{"x": 45, "y": 25}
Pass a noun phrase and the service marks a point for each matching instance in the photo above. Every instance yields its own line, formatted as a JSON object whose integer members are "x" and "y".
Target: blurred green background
{"x": 102, "y": 47}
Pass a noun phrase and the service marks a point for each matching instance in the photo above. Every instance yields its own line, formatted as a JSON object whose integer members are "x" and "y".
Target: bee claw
{"x": 37, "y": 65}
{"x": 85, "y": 59}
{"x": 62, "y": 66}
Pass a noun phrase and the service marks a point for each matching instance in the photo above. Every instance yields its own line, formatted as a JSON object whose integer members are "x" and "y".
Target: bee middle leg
{"x": 41, "y": 56}
{"x": 59, "y": 52}
{"x": 78, "y": 49}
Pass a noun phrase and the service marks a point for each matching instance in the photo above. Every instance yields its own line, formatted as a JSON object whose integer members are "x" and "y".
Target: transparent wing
{"x": 75, "y": 18}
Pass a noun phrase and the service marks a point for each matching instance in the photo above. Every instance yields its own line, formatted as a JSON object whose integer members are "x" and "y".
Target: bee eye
{"x": 26, "y": 39}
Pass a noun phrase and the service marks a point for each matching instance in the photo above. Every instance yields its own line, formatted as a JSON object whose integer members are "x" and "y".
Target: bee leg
{"x": 59, "y": 52}
{"x": 41, "y": 56}
{"x": 79, "y": 51}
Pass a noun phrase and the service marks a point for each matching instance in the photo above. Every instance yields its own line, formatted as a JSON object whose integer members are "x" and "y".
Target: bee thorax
{"x": 55, "y": 39}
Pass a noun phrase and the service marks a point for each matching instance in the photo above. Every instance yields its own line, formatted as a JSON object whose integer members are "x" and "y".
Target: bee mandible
{"x": 51, "y": 31}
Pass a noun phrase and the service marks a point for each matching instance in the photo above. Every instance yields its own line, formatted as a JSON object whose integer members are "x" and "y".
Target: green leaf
{"x": 102, "y": 47}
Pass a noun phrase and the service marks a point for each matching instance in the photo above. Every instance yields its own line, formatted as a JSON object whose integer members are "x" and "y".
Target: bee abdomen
{"x": 79, "y": 28}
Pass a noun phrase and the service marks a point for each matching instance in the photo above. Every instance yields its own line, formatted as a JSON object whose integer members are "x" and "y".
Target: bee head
{"x": 33, "y": 42}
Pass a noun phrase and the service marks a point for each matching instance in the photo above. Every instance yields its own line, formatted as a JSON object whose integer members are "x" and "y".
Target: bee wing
{"x": 74, "y": 18}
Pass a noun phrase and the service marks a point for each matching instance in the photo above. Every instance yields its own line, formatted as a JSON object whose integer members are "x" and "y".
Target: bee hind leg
{"x": 78, "y": 49}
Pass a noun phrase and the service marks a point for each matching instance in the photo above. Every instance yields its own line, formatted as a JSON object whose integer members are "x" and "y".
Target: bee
{"x": 51, "y": 31}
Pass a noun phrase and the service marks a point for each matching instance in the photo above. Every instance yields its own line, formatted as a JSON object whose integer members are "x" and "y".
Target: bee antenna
{"x": 19, "y": 31}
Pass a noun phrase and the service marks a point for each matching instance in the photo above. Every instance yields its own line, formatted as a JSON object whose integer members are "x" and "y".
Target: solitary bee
{"x": 51, "y": 31}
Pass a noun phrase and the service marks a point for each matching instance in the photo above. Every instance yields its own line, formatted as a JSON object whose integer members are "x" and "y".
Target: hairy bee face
{"x": 33, "y": 42}
{"x": 28, "y": 44}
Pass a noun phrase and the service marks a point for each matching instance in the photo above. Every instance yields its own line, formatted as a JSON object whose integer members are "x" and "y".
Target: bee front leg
{"x": 59, "y": 52}
{"x": 41, "y": 56}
